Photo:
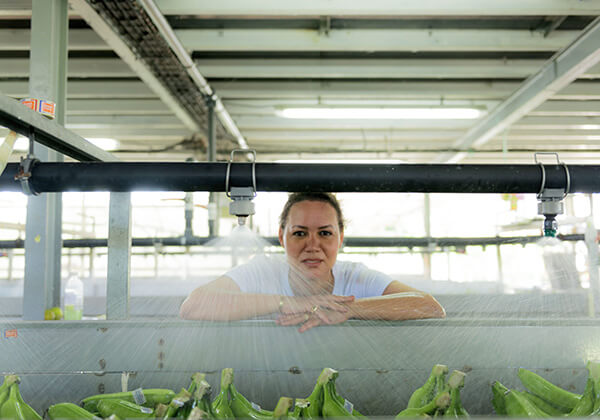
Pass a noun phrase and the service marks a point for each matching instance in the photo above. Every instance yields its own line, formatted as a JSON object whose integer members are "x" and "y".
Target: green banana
{"x": 242, "y": 408}
{"x": 546, "y": 390}
{"x": 440, "y": 402}
{"x": 332, "y": 407}
{"x": 498, "y": 399}
{"x": 220, "y": 405}
{"x": 152, "y": 396}
{"x": 202, "y": 398}
{"x": 196, "y": 414}
{"x": 301, "y": 409}
{"x": 5, "y": 387}
{"x": 69, "y": 411}
{"x": 197, "y": 388}
{"x": 342, "y": 400}
{"x": 160, "y": 410}
{"x": 585, "y": 405}
{"x": 594, "y": 373}
{"x": 315, "y": 399}
{"x": 455, "y": 383}
{"x": 15, "y": 408}
{"x": 543, "y": 405}
{"x": 282, "y": 409}
{"x": 423, "y": 395}
{"x": 177, "y": 404}
{"x": 519, "y": 406}
{"x": 123, "y": 409}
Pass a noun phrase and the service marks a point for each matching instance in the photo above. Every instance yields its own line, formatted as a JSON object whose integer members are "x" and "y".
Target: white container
{"x": 73, "y": 298}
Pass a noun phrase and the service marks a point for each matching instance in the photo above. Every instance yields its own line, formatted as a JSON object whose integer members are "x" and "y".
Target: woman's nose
{"x": 313, "y": 241}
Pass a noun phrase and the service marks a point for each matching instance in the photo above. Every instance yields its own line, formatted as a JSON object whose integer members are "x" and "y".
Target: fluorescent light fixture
{"x": 22, "y": 144}
{"x": 104, "y": 143}
{"x": 380, "y": 113}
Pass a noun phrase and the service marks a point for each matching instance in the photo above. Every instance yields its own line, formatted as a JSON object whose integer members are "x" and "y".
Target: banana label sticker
{"x": 348, "y": 406}
{"x": 138, "y": 396}
{"x": 11, "y": 333}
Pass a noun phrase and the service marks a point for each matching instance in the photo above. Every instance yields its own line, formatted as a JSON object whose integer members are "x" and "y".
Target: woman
{"x": 310, "y": 287}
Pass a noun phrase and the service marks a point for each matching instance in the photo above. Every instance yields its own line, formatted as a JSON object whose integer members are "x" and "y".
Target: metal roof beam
{"x": 555, "y": 75}
{"x": 377, "y": 92}
{"x": 372, "y": 40}
{"x": 378, "y": 7}
{"x": 128, "y": 56}
{"x": 79, "y": 40}
{"x": 311, "y": 68}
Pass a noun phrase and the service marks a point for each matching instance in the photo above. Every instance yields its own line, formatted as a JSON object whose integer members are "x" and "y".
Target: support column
{"x": 47, "y": 80}
{"x": 213, "y": 199}
{"x": 427, "y": 219}
{"x": 119, "y": 256}
{"x": 591, "y": 241}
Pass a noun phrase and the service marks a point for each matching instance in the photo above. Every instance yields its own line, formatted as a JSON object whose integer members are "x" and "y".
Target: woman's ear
{"x": 281, "y": 237}
{"x": 341, "y": 239}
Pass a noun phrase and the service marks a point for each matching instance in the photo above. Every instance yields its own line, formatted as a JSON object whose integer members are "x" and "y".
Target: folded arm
{"x": 398, "y": 302}
{"x": 223, "y": 300}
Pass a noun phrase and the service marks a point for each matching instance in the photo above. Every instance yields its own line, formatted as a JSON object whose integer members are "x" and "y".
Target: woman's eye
{"x": 325, "y": 233}
{"x": 299, "y": 233}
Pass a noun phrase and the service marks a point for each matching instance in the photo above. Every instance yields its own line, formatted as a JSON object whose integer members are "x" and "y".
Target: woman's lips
{"x": 312, "y": 262}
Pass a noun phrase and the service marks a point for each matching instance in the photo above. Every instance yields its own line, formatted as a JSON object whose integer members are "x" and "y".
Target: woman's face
{"x": 312, "y": 238}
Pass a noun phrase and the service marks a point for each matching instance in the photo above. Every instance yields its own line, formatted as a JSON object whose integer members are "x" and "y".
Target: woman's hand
{"x": 314, "y": 318}
{"x": 301, "y": 305}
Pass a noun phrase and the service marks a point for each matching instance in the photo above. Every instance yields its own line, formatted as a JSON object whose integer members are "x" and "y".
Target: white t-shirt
{"x": 269, "y": 275}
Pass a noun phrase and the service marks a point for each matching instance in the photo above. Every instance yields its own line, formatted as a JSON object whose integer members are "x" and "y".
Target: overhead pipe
{"x": 185, "y": 59}
{"x": 211, "y": 177}
{"x": 356, "y": 242}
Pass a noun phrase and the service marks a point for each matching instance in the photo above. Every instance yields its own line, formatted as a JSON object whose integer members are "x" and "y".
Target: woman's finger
{"x": 310, "y": 323}
{"x": 292, "y": 319}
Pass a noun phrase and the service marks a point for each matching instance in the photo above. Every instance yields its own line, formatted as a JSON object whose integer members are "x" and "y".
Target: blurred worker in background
{"x": 309, "y": 287}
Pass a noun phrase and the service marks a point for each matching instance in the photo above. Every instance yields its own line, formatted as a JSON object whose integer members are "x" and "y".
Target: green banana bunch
{"x": 69, "y": 411}
{"x": 561, "y": 398}
{"x": 301, "y": 409}
{"x": 434, "y": 384}
{"x": 585, "y": 405}
{"x": 440, "y": 402}
{"x": 332, "y": 406}
{"x": 315, "y": 399}
{"x": 519, "y": 406}
{"x": 594, "y": 374}
{"x": 202, "y": 398}
{"x": 329, "y": 389}
{"x": 242, "y": 408}
{"x": 198, "y": 387}
{"x": 455, "y": 383}
{"x": 123, "y": 409}
{"x": 498, "y": 399}
{"x": 543, "y": 405}
{"x": 196, "y": 414}
{"x": 220, "y": 405}
{"x": 15, "y": 408}
{"x": 152, "y": 396}
{"x": 177, "y": 404}
{"x": 5, "y": 387}
{"x": 282, "y": 409}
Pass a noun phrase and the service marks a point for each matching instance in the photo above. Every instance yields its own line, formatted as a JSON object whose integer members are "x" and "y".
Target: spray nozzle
{"x": 550, "y": 200}
{"x": 241, "y": 203}
{"x": 241, "y": 197}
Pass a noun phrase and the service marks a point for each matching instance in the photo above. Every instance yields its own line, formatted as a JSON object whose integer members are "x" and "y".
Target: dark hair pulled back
{"x": 323, "y": 197}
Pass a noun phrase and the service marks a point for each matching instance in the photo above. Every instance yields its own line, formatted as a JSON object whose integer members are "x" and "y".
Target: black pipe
{"x": 210, "y": 176}
{"x": 356, "y": 242}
